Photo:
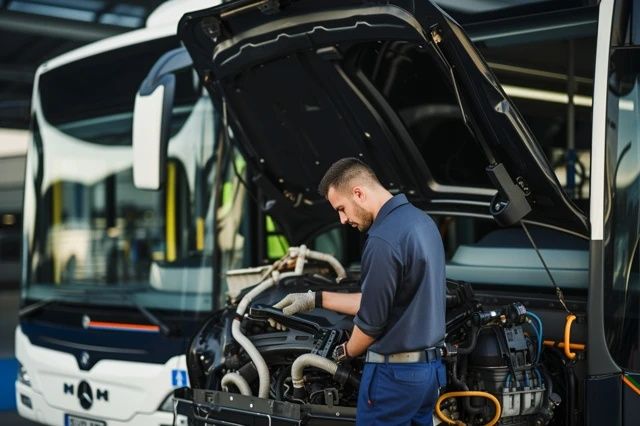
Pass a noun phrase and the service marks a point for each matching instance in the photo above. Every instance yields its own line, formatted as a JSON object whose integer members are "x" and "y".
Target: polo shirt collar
{"x": 392, "y": 204}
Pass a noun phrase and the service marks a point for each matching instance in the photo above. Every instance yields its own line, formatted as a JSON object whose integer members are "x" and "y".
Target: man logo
{"x": 102, "y": 394}
{"x": 68, "y": 388}
{"x": 84, "y": 359}
{"x": 85, "y": 395}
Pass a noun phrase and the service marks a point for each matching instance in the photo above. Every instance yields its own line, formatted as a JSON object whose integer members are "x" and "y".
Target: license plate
{"x": 70, "y": 420}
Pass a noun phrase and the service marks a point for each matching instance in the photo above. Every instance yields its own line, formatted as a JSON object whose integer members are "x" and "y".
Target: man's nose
{"x": 343, "y": 218}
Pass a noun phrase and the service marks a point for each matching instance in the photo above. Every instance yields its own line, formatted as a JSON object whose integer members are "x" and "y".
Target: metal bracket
{"x": 270, "y": 7}
{"x": 211, "y": 27}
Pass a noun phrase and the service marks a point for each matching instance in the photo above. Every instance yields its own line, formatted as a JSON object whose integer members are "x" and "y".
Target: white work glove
{"x": 292, "y": 304}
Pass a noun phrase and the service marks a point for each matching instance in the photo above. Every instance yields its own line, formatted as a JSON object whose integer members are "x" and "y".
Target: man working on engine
{"x": 400, "y": 314}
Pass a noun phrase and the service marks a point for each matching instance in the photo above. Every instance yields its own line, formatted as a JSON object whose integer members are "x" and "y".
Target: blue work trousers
{"x": 399, "y": 394}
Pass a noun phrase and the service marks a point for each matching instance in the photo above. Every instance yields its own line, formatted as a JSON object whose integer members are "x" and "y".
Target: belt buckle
{"x": 433, "y": 354}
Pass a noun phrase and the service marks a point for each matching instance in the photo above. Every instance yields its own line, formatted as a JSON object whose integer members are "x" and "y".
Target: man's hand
{"x": 297, "y": 302}
{"x": 294, "y": 303}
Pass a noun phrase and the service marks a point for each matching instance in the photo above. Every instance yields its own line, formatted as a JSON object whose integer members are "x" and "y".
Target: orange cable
{"x": 448, "y": 395}
{"x": 631, "y": 385}
{"x": 567, "y": 337}
{"x": 576, "y": 346}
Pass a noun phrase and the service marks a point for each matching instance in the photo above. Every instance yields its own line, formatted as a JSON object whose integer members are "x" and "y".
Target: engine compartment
{"x": 495, "y": 372}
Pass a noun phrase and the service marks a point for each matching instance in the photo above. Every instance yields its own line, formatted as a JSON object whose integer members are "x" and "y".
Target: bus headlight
{"x": 23, "y": 376}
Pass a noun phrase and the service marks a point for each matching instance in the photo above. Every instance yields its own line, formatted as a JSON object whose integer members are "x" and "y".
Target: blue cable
{"x": 538, "y": 332}
{"x": 535, "y": 329}
{"x": 537, "y": 370}
{"x": 538, "y": 320}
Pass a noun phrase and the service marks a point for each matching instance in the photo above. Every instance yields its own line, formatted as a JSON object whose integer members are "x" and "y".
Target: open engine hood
{"x": 292, "y": 77}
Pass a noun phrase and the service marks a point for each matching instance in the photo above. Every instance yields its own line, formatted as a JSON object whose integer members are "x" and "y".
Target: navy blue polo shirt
{"x": 403, "y": 280}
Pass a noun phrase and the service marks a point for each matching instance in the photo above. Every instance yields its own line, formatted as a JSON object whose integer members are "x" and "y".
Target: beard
{"x": 363, "y": 219}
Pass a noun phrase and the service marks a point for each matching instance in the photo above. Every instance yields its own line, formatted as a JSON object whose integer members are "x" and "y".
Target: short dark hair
{"x": 342, "y": 172}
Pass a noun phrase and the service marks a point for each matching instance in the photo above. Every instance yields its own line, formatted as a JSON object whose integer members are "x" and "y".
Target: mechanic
{"x": 400, "y": 313}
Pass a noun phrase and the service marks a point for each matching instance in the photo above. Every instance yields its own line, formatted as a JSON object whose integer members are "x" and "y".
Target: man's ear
{"x": 359, "y": 194}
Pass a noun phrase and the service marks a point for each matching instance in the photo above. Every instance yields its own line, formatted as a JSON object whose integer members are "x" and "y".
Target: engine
{"x": 502, "y": 358}
{"x": 250, "y": 348}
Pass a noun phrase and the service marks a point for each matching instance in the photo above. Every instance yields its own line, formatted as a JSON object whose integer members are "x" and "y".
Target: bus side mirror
{"x": 152, "y": 119}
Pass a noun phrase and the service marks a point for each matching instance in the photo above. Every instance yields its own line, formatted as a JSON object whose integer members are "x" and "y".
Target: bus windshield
{"x": 90, "y": 236}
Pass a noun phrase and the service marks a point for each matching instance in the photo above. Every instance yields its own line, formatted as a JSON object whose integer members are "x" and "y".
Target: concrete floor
{"x": 8, "y": 320}
{"x": 9, "y": 300}
{"x": 11, "y": 418}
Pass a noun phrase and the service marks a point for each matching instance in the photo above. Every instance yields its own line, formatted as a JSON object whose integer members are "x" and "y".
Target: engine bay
{"x": 245, "y": 370}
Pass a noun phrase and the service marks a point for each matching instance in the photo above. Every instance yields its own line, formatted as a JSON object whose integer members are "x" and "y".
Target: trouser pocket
{"x": 367, "y": 382}
{"x": 370, "y": 383}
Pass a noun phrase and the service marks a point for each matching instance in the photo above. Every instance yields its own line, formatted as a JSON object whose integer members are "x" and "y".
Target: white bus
{"x": 400, "y": 85}
{"x": 114, "y": 279}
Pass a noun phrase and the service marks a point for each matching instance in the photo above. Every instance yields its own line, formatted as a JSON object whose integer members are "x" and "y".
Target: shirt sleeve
{"x": 381, "y": 272}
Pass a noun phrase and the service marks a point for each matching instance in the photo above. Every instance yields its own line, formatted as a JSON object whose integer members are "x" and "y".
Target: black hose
{"x": 282, "y": 376}
{"x": 345, "y": 374}
{"x": 354, "y": 380}
{"x": 466, "y": 401}
{"x": 249, "y": 372}
{"x": 567, "y": 397}
{"x": 571, "y": 384}
{"x": 546, "y": 413}
{"x": 474, "y": 339}
{"x": 547, "y": 380}
{"x": 463, "y": 377}
{"x": 454, "y": 377}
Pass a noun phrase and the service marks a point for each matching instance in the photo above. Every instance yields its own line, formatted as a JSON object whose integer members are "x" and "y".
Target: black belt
{"x": 425, "y": 355}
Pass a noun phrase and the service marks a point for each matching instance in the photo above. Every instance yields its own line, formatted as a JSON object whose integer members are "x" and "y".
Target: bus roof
{"x": 162, "y": 22}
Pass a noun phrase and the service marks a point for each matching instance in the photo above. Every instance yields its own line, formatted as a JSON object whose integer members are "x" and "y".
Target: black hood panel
{"x": 299, "y": 92}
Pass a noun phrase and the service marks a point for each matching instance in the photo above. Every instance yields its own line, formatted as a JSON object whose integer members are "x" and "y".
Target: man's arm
{"x": 344, "y": 303}
{"x": 349, "y": 303}
{"x": 358, "y": 343}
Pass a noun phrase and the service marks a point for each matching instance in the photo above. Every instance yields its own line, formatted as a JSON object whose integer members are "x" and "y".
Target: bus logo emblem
{"x": 84, "y": 359}
{"x": 85, "y": 395}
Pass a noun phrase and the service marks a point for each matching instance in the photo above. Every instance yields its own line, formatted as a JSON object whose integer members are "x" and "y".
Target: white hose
{"x": 236, "y": 332}
{"x": 248, "y": 298}
{"x": 237, "y": 380}
{"x": 300, "y": 253}
{"x": 335, "y": 264}
{"x": 304, "y": 253}
{"x": 310, "y": 360}
{"x": 254, "y": 354}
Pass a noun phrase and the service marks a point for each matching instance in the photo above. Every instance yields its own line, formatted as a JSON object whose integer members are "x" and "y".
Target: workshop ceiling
{"x": 33, "y": 31}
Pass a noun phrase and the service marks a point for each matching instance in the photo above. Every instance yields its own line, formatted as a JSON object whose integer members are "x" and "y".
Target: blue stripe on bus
{"x": 8, "y": 371}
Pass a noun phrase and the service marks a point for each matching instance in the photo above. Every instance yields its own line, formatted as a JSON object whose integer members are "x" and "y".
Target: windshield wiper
{"x": 164, "y": 328}
{"x": 125, "y": 294}
{"x": 122, "y": 292}
{"x": 35, "y": 307}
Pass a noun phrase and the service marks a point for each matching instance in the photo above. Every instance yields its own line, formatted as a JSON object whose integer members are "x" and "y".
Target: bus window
{"x": 277, "y": 244}
{"x": 232, "y": 232}
{"x": 91, "y": 234}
